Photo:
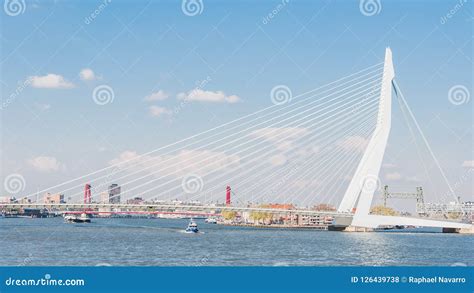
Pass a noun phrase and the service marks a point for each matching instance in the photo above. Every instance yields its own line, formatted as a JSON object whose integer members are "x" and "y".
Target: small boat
{"x": 69, "y": 218}
{"x": 192, "y": 227}
{"x": 83, "y": 218}
{"x": 211, "y": 220}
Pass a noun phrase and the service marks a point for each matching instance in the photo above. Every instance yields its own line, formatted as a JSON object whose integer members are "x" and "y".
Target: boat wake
{"x": 184, "y": 232}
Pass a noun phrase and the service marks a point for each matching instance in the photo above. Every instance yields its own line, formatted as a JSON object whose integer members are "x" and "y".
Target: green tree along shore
{"x": 261, "y": 217}
{"x": 229, "y": 215}
{"x": 384, "y": 211}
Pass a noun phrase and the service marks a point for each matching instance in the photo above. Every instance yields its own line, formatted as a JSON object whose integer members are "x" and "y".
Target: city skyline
{"x": 173, "y": 75}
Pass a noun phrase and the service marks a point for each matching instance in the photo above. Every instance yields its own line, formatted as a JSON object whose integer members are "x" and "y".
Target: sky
{"x": 88, "y": 83}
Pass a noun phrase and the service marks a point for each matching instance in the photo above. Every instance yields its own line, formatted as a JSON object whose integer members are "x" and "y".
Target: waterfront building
{"x": 135, "y": 200}
{"x": 104, "y": 197}
{"x": 114, "y": 193}
{"x": 23, "y": 200}
{"x": 314, "y": 220}
{"x": 324, "y": 207}
{"x": 55, "y": 198}
{"x": 443, "y": 210}
{"x": 6, "y": 199}
{"x": 284, "y": 206}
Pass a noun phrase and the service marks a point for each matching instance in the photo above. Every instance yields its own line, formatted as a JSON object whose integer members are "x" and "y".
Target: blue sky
{"x": 141, "y": 47}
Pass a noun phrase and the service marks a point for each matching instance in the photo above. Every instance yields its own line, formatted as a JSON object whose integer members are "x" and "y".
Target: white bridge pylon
{"x": 360, "y": 192}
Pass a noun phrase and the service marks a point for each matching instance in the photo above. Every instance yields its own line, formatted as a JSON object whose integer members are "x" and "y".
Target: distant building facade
{"x": 135, "y": 200}
{"x": 114, "y": 193}
{"x": 55, "y": 198}
{"x": 447, "y": 210}
{"x": 6, "y": 199}
{"x": 104, "y": 197}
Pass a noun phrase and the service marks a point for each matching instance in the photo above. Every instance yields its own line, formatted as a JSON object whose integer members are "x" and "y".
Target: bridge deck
{"x": 167, "y": 208}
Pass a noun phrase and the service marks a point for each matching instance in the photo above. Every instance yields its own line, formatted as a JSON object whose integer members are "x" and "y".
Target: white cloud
{"x": 468, "y": 164}
{"x": 353, "y": 143}
{"x": 159, "y": 111}
{"x": 45, "y": 164}
{"x": 393, "y": 176}
{"x": 157, "y": 96}
{"x": 208, "y": 96}
{"x": 50, "y": 81}
{"x": 87, "y": 74}
{"x": 185, "y": 162}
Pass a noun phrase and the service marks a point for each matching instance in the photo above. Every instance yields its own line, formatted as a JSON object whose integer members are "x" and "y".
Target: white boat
{"x": 83, "y": 218}
{"x": 211, "y": 220}
{"x": 192, "y": 227}
{"x": 68, "y": 218}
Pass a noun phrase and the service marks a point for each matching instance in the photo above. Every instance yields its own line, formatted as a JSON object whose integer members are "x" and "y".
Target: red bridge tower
{"x": 87, "y": 193}
{"x": 227, "y": 195}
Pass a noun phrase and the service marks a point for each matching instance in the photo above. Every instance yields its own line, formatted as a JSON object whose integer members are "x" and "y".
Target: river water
{"x": 161, "y": 242}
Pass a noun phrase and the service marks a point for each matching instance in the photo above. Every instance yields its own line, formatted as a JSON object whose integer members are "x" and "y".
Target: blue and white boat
{"x": 192, "y": 227}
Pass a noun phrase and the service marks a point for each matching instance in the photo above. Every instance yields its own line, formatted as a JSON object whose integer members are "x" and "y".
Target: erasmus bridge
{"x": 323, "y": 146}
